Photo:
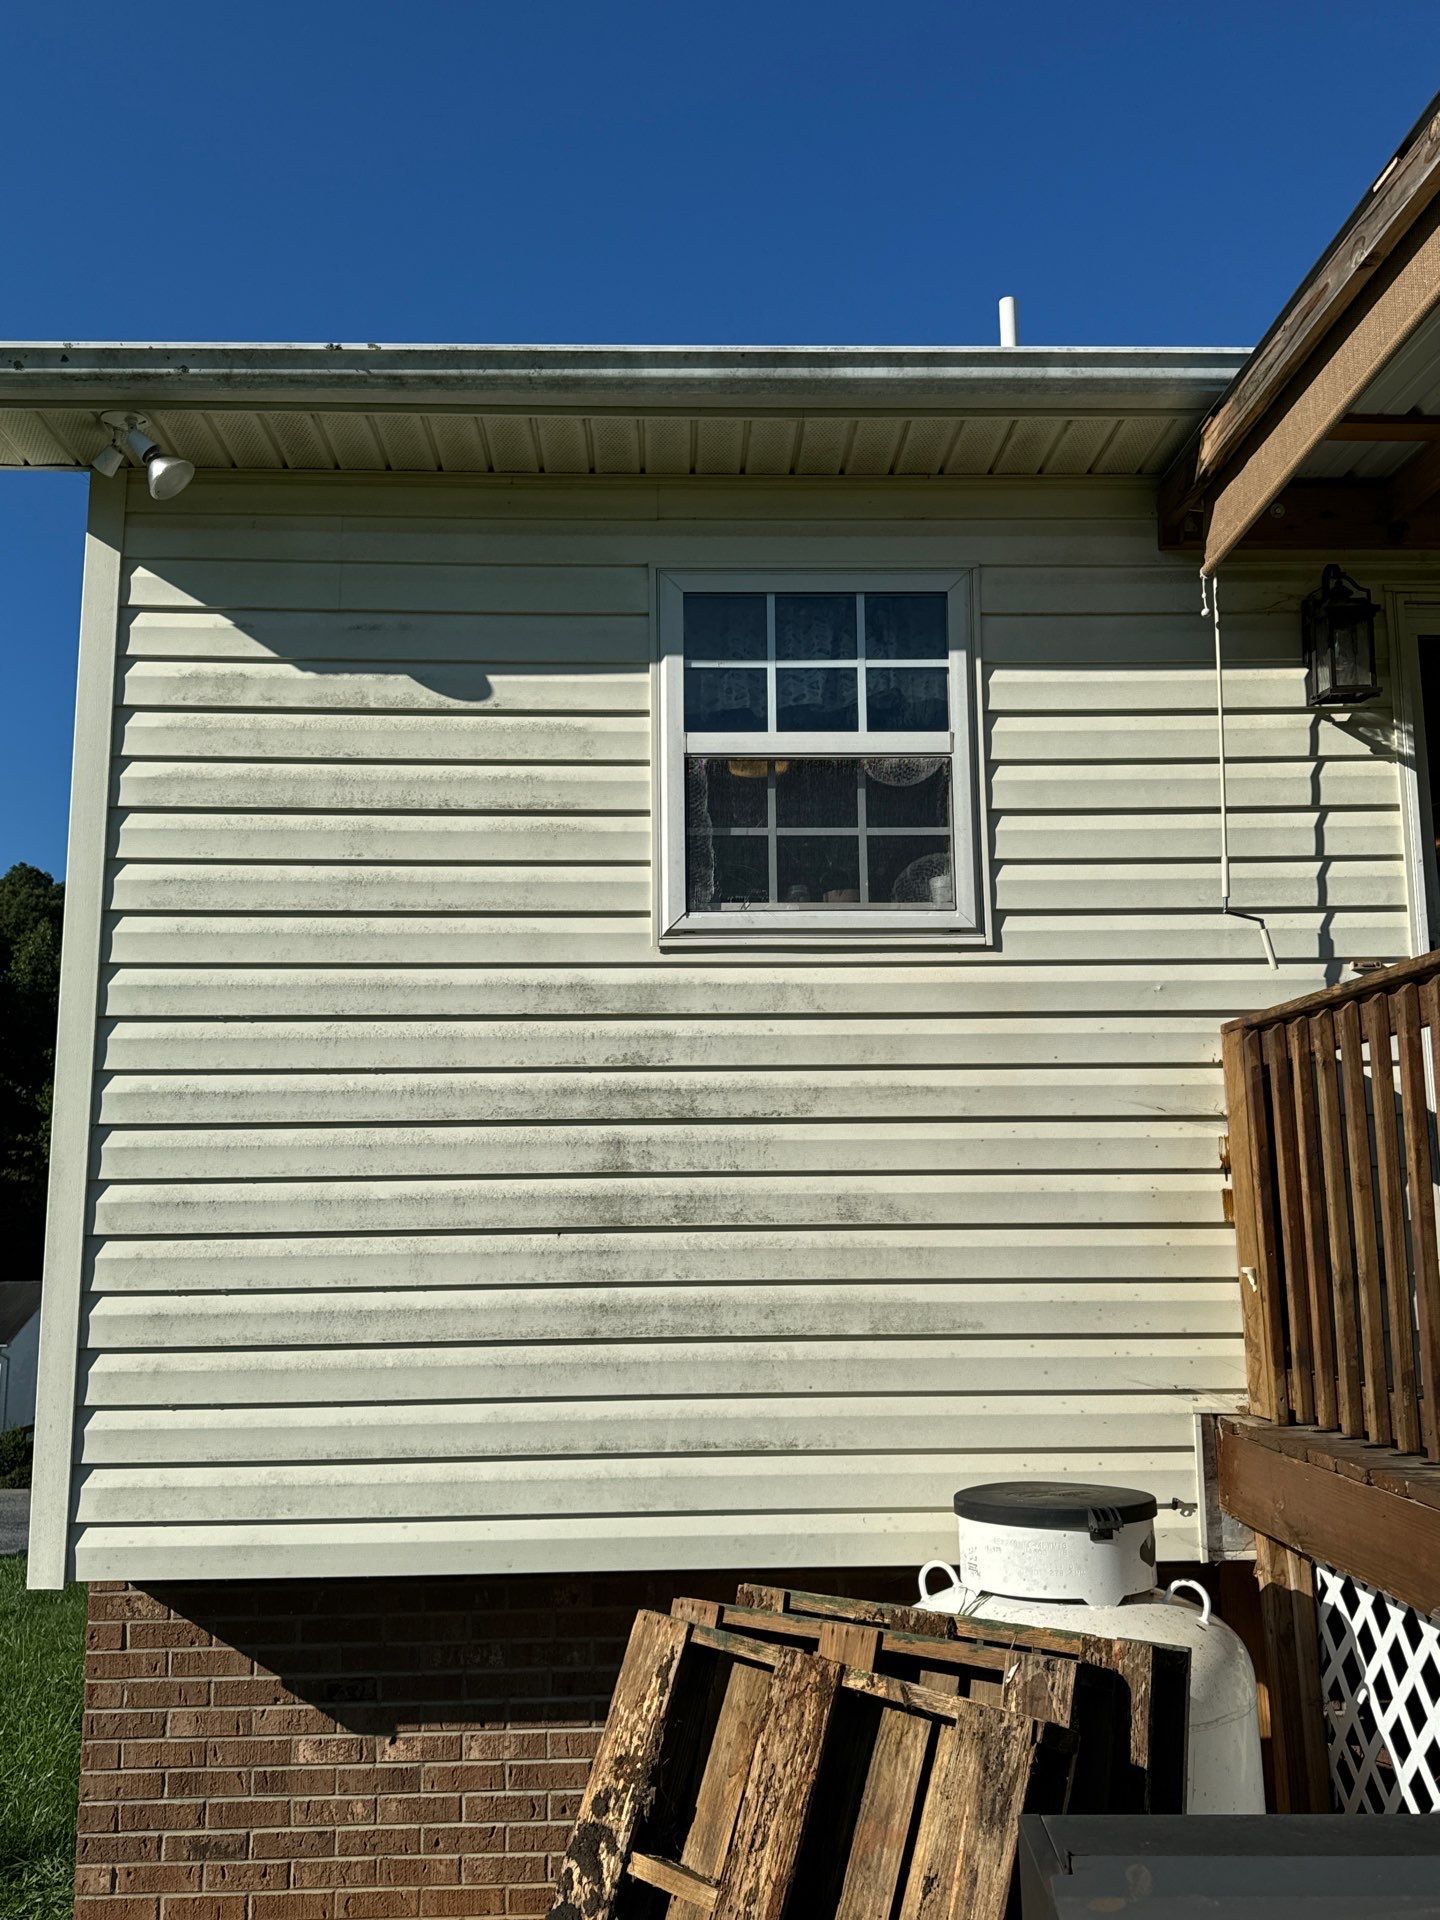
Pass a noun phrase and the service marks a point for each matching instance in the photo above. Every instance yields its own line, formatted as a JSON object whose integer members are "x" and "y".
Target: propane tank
{"x": 1081, "y": 1557}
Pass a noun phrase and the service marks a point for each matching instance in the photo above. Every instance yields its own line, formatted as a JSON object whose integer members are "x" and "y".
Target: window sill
{"x": 948, "y": 940}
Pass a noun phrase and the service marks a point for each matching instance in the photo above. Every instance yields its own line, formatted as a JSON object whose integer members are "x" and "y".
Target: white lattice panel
{"x": 1380, "y": 1677}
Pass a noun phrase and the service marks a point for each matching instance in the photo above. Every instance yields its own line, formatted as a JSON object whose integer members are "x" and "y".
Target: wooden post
{"x": 1255, "y": 1246}
{"x": 1299, "y": 1760}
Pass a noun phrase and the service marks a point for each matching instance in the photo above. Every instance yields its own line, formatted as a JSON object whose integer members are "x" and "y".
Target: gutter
{"x": 912, "y": 380}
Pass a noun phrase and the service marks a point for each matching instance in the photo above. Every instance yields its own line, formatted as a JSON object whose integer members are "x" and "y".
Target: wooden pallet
{"x": 1070, "y": 1693}
{"x": 747, "y": 1780}
{"x": 1154, "y": 1680}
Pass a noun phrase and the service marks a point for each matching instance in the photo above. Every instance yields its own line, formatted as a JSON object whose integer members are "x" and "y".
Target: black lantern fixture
{"x": 1337, "y": 626}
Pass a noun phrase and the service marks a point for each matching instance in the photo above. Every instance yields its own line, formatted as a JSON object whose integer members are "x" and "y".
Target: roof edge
{"x": 338, "y": 377}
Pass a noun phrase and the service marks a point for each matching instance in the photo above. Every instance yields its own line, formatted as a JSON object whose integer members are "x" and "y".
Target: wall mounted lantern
{"x": 1337, "y": 628}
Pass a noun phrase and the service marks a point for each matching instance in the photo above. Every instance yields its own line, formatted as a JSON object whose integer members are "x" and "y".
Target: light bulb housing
{"x": 166, "y": 473}
{"x": 108, "y": 461}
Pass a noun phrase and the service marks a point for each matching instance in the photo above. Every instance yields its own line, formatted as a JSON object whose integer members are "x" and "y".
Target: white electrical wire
{"x": 1210, "y": 604}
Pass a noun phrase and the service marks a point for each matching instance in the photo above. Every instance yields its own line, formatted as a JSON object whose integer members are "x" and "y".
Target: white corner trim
{"x": 1407, "y": 616}
{"x": 65, "y": 1220}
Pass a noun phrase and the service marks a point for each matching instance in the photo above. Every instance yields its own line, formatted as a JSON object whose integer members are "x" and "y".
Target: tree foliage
{"x": 31, "y": 907}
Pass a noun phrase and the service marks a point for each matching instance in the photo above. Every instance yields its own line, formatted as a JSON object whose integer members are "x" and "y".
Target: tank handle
{"x": 953, "y": 1589}
{"x": 1195, "y": 1587}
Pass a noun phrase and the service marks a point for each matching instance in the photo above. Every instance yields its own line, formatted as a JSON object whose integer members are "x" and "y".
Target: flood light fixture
{"x": 166, "y": 474}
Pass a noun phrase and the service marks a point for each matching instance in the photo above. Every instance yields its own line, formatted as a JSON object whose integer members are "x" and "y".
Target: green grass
{"x": 42, "y": 1667}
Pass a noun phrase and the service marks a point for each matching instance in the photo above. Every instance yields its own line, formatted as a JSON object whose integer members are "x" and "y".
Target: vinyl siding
{"x": 442, "y": 1221}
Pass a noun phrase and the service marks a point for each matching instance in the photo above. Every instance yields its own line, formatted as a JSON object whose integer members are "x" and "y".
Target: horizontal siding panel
{"x": 413, "y": 939}
{"x": 714, "y": 1152}
{"x": 734, "y": 1256}
{"x": 480, "y": 887}
{"x": 1072, "y": 646}
{"x": 361, "y": 788}
{"x": 158, "y": 887}
{"x": 1172, "y": 737}
{"x": 739, "y": 991}
{"x": 234, "y": 1099}
{"x": 452, "y": 737}
{"x": 810, "y": 1200}
{"x": 294, "y": 585}
{"x": 401, "y": 687}
{"x": 306, "y": 838}
{"x": 985, "y": 1423}
{"x": 632, "y": 1368}
{"x": 1166, "y": 938}
{"x": 125, "y": 1323}
{"x": 1140, "y": 886}
{"x": 368, "y": 1549}
{"x": 580, "y": 640}
{"x": 365, "y": 1046}
{"x": 1146, "y": 787}
{"x": 1164, "y": 586}
{"x": 745, "y": 541}
{"x": 428, "y": 1206}
{"x": 1072, "y": 686}
{"x": 364, "y": 501}
{"x": 1360, "y": 833}
{"x": 612, "y": 940}
{"x": 419, "y": 1491}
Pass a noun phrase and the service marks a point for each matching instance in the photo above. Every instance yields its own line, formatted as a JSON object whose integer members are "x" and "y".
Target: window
{"x": 817, "y": 755}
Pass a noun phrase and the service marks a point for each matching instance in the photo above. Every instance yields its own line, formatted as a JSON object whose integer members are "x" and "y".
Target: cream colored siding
{"x": 441, "y": 1220}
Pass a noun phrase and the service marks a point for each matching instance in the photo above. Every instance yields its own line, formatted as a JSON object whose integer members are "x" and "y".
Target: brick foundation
{"x": 352, "y": 1749}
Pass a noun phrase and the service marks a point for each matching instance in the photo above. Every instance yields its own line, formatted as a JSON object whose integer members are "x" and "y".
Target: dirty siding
{"x": 443, "y": 1223}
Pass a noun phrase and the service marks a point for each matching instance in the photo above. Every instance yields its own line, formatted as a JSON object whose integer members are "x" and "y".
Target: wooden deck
{"x": 1370, "y": 1511}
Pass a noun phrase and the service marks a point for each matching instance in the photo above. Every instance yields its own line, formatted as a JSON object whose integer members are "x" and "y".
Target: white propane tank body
{"x": 1097, "y": 1577}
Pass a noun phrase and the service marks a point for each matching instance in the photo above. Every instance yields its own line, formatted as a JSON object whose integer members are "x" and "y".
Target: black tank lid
{"x": 1066, "y": 1506}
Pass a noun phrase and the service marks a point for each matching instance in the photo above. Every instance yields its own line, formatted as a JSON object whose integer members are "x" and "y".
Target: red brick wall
{"x": 350, "y": 1749}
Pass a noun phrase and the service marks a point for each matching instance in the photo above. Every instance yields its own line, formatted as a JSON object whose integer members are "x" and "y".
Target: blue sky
{"x": 790, "y": 172}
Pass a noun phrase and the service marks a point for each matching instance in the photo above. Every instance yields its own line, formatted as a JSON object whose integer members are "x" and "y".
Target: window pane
{"x": 725, "y": 626}
{"x": 907, "y": 699}
{"x": 726, "y": 793}
{"x": 725, "y": 699}
{"x": 910, "y": 870}
{"x": 729, "y": 870}
{"x": 818, "y": 870}
{"x": 816, "y": 793}
{"x": 905, "y": 626}
{"x": 815, "y": 626}
{"x": 907, "y": 791}
{"x": 799, "y": 819}
{"x": 816, "y": 700}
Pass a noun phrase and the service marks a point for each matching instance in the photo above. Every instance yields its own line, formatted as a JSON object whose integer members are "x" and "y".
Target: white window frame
{"x": 965, "y": 922}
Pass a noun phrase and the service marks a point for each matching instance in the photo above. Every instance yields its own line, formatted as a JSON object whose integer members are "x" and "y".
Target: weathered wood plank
{"x": 1375, "y": 1018}
{"x": 885, "y": 1817}
{"x": 1425, "y": 966}
{"x": 755, "y": 1882}
{"x": 1369, "y": 1299}
{"x": 1255, "y": 1241}
{"x": 965, "y": 1846}
{"x": 1388, "y": 1541}
{"x": 1314, "y": 1225}
{"x": 622, "y": 1778}
{"x": 1290, "y": 1209}
{"x": 1425, "y": 1013}
{"x": 693, "y": 1889}
{"x": 1297, "y": 1725}
{"x": 1349, "y": 1403}
{"x": 732, "y": 1750}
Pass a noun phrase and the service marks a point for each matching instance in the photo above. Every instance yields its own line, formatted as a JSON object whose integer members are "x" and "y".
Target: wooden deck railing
{"x": 1333, "y": 1164}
